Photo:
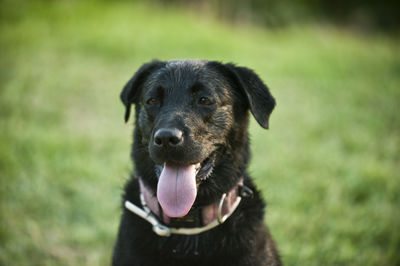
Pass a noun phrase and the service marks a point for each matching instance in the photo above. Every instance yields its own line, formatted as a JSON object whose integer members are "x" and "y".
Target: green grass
{"x": 328, "y": 166}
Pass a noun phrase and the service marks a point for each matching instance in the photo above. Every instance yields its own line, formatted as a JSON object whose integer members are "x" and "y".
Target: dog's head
{"x": 191, "y": 127}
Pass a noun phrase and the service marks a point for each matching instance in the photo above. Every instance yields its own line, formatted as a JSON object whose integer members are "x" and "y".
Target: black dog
{"x": 191, "y": 201}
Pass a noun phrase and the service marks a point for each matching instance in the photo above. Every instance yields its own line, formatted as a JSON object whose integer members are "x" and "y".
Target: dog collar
{"x": 211, "y": 215}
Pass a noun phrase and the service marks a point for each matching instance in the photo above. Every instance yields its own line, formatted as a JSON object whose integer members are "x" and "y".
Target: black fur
{"x": 208, "y": 103}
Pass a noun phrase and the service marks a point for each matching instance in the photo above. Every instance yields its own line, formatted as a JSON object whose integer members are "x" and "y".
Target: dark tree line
{"x": 376, "y": 14}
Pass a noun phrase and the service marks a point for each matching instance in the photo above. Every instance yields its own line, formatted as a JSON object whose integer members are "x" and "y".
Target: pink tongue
{"x": 176, "y": 191}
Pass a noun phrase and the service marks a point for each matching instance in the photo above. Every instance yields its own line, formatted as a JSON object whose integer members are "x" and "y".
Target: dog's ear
{"x": 260, "y": 100}
{"x": 131, "y": 92}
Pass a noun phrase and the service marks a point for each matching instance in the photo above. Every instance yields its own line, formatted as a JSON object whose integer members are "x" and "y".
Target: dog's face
{"x": 191, "y": 121}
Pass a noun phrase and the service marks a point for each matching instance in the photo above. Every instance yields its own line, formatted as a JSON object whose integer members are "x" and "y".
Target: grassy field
{"x": 329, "y": 166}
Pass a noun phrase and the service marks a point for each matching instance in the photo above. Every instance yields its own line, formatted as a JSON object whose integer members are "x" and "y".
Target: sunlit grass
{"x": 328, "y": 166}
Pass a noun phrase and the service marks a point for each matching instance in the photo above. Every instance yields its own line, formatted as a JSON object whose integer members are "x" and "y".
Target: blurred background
{"x": 328, "y": 167}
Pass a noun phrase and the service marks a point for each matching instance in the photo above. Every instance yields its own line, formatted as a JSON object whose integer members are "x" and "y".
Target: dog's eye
{"x": 205, "y": 101}
{"x": 152, "y": 101}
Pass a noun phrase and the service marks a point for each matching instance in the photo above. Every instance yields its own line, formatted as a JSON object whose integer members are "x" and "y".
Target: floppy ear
{"x": 260, "y": 100}
{"x": 130, "y": 93}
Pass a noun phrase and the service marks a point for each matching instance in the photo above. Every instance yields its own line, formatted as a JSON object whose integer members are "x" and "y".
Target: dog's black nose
{"x": 165, "y": 137}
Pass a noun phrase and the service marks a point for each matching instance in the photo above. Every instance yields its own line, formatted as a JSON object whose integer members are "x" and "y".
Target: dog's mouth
{"x": 177, "y": 185}
{"x": 203, "y": 170}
